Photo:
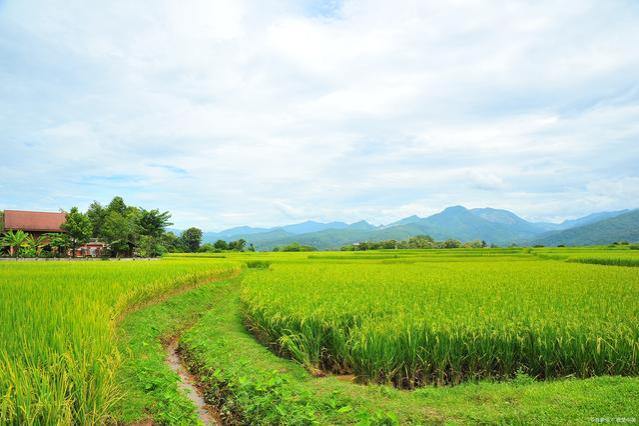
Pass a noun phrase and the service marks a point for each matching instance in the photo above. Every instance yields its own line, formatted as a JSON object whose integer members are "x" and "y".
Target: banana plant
{"x": 15, "y": 240}
{"x": 36, "y": 243}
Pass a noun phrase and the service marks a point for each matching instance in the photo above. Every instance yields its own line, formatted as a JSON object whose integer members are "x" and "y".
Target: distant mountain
{"x": 591, "y": 218}
{"x": 617, "y": 228}
{"x": 500, "y": 227}
{"x": 457, "y": 222}
{"x": 260, "y": 235}
{"x": 311, "y": 226}
{"x": 490, "y": 225}
{"x": 405, "y": 221}
{"x": 362, "y": 225}
{"x": 241, "y": 230}
{"x": 506, "y": 217}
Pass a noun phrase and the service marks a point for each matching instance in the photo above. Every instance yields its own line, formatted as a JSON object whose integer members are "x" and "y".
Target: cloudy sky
{"x": 230, "y": 112}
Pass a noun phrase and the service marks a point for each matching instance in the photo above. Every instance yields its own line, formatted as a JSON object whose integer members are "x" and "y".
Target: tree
{"x": 191, "y": 239}
{"x": 421, "y": 242}
{"x": 171, "y": 242}
{"x": 97, "y": 215}
{"x": 153, "y": 223}
{"x": 296, "y": 247}
{"x": 150, "y": 247}
{"x": 452, "y": 243}
{"x": 59, "y": 242}
{"x": 221, "y": 245}
{"x": 237, "y": 245}
{"x": 15, "y": 240}
{"x": 118, "y": 231}
{"x": 117, "y": 205}
{"x": 78, "y": 227}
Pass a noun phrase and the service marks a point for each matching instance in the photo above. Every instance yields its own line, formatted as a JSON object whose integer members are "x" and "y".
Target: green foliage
{"x": 221, "y": 245}
{"x": 153, "y": 223}
{"x": 150, "y": 384}
{"x": 36, "y": 244}
{"x": 237, "y": 245}
{"x": 118, "y": 206}
{"x": 417, "y": 242}
{"x": 59, "y": 242}
{"x": 16, "y": 241}
{"x": 97, "y": 215}
{"x": 258, "y": 264}
{"x": 78, "y": 228}
{"x": 171, "y": 242}
{"x": 296, "y": 247}
{"x": 131, "y": 230}
{"x": 119, "y": 231}
{"x": 191, "y": 239}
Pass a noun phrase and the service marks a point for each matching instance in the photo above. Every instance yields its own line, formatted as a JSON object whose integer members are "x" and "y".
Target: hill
{"x": 617, "y": 228}
{"x": 496, "y": 226}
{"x": 457, "y": 222}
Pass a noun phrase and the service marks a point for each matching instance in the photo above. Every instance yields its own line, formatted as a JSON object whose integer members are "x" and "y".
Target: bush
{"x": 258, "y": 264}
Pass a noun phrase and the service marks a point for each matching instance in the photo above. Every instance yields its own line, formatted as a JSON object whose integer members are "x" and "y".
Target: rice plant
{"x": 58, "y": 354}
{"x": 445, "y": 322}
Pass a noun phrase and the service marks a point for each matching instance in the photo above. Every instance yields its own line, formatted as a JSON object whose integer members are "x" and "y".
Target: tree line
{"x": 127, "y": 230}
{"x": 416, "y": 242}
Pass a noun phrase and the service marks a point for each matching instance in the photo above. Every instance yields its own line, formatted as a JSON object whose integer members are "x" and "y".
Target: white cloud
{"x": 267, "y": 112}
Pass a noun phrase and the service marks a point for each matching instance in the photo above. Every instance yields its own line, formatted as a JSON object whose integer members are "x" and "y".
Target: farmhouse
{"x": 40, "y": 223}
{"x": 35, "y": 223}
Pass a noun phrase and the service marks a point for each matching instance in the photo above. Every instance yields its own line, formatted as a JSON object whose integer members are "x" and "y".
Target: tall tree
{"x": 78, "y": 227}
{"x": 237, "y": 245}
{"x": 171, "y": 242}
{"x": 97, "y": 215}
{"x": 221, "y": 245}
{"x": 117, "y": 205}
{"x": 192, "y": 238}
{"x": 118, "y": 231}
{"x": 153, "y": 223}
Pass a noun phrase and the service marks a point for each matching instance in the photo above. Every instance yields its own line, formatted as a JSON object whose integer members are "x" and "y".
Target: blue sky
{"x": 262, "y": 112}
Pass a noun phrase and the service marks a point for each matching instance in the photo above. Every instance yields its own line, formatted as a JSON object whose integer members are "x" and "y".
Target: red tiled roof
{"x": 33, "y": 221}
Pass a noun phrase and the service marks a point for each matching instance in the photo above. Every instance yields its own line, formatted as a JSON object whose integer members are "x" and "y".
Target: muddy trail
{"x": 206, "y": 413}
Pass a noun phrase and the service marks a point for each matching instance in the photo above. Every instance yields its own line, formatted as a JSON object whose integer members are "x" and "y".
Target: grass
{"x": 59, "y": 353}
{"x": 83, "y": 342}
{"x": 151, "y": 391}
{"x": 444, "y": 323}
{"x": 251, "y": 384}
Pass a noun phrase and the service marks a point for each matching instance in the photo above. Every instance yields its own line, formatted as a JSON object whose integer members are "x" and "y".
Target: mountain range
{"x": 495, "y": 226}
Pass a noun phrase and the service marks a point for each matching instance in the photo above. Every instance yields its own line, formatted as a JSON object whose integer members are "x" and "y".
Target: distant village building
{"x": 93, "y": 248}
{"x": 35, "y": 223}
{"x": 40, "y": 223}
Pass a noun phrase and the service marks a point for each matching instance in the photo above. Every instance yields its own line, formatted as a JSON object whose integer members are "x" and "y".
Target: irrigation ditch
{"x": 190, "y": 384}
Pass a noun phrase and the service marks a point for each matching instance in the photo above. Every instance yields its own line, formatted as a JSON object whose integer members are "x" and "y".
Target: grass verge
{"x": 250, "y": 384}
{"x": 149, "y": 386}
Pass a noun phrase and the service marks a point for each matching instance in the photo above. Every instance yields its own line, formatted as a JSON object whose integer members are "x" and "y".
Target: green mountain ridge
{"x": 496, "y": 226}
{"x": 624, "y": 227}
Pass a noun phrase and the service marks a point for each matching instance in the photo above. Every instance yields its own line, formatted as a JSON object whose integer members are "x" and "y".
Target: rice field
{"x": 448, "y": 318}
{"x": 58, "y": 353}
{"x": 408, "y": 318}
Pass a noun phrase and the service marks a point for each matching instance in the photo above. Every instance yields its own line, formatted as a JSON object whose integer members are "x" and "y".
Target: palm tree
{"x": 15, "y": 240}
{"x": 36, "y": 243}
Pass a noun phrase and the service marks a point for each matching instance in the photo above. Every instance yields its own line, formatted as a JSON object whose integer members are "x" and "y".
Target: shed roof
{"x": 34, "y": 221}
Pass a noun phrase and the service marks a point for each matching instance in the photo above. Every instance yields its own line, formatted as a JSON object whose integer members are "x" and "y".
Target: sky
{"x": 242, "y": 112}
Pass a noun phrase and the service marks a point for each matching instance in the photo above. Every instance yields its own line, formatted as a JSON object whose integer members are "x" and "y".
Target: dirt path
{"x": 206, "y": 413}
